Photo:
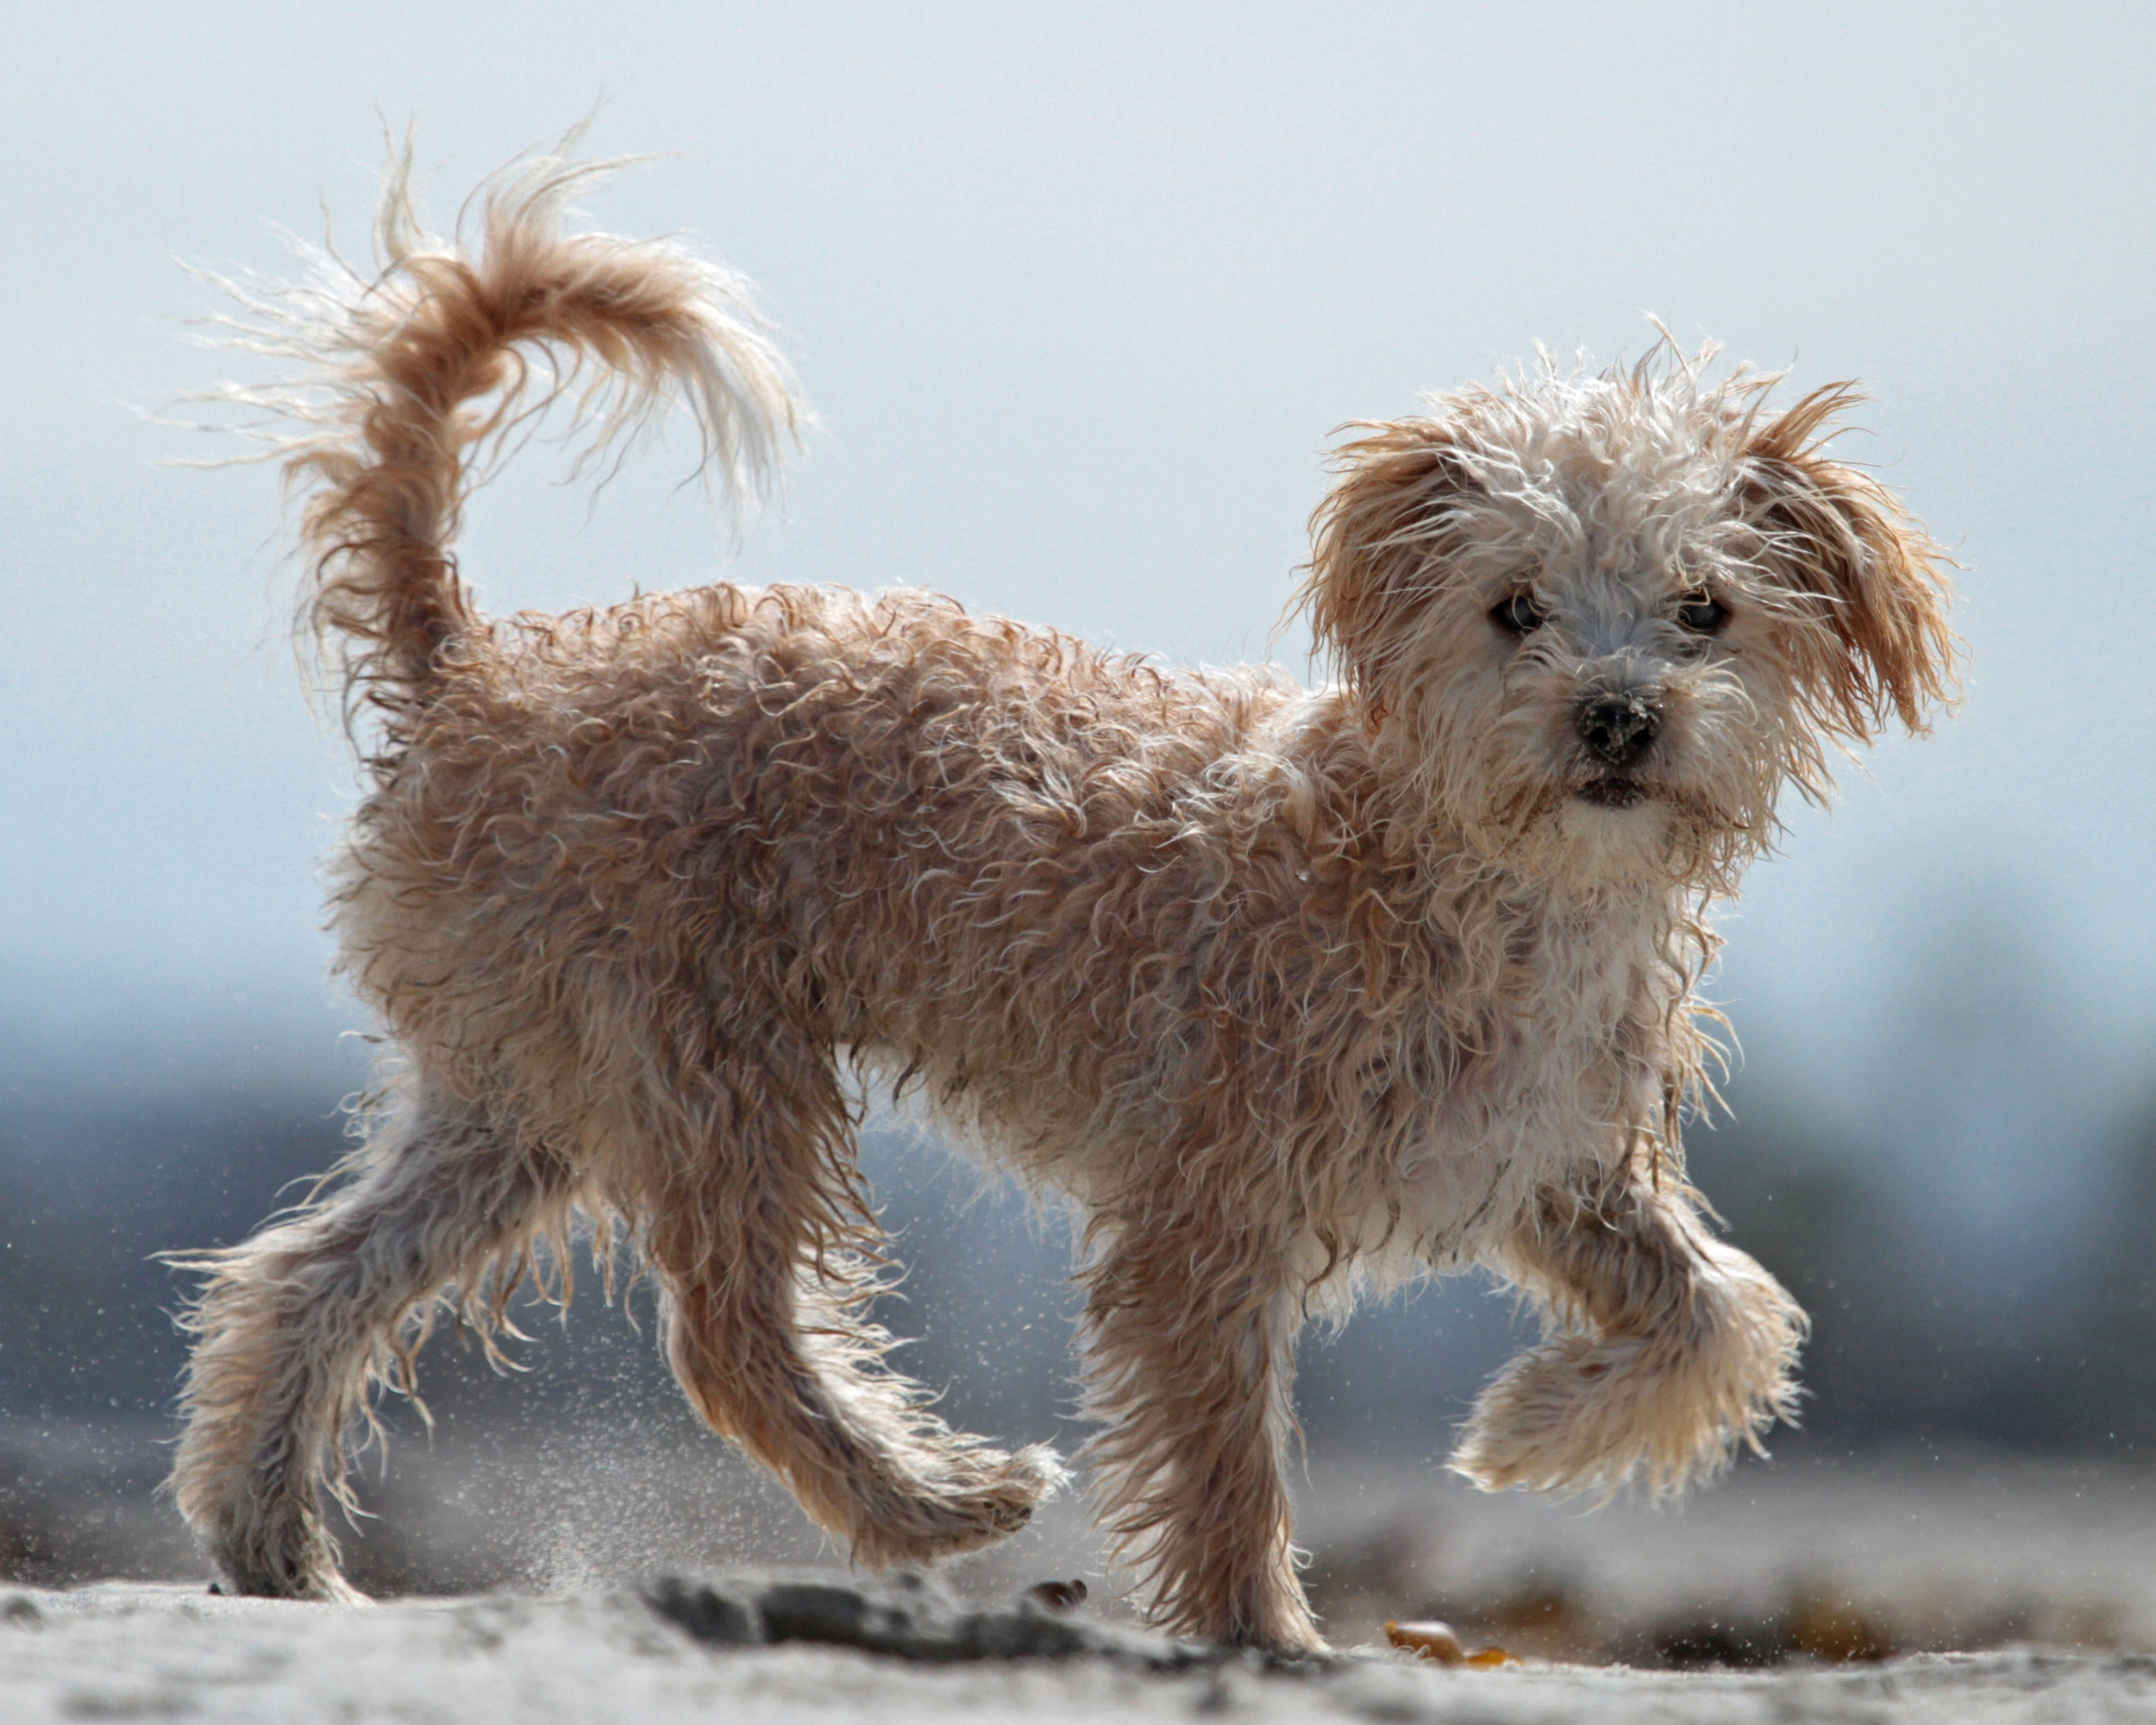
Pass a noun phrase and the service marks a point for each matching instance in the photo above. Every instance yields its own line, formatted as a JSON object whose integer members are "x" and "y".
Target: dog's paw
{"x": 275, "y": 1546}
{"x": 986, "y": 1497}
{"x": 1586, "y": 1413}
{"x": 1564, "y": 1418}
{"x": 1006, "y": 1491}
{"x": 316, "y": 1583}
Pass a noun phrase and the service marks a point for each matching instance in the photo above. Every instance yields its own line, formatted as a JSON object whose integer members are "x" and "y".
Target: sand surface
{"x": 138, "y": 1652}
{"x": 1994, "y": 1590}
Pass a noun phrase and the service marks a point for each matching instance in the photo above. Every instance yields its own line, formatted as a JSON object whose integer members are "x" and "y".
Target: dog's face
{"x": 1597, "y": 622}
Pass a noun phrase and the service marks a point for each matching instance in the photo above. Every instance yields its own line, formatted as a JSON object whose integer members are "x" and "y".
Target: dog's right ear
{"x": 1377, "y": 544}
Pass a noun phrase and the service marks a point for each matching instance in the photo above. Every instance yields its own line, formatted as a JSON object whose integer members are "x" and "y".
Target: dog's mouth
{"x": 1612, "y": 791}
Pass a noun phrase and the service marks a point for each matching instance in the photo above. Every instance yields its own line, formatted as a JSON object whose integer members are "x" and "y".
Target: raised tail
{"x": 413, "y": 378}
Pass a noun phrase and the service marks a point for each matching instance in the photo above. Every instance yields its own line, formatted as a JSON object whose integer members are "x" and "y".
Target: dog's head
{"x": 1596, "y": 622}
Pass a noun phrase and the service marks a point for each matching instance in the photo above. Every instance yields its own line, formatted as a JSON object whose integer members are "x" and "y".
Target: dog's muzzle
{"x": 1618, "y": 728}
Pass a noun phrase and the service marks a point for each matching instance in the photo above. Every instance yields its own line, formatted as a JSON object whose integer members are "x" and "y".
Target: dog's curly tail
{"x": 417, "y": 377}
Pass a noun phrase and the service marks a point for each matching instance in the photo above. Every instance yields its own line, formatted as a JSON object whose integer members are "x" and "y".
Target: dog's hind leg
{"x": 1664, "y": 1348}
{"x": 298, "y": 1324}
{"x": 1191, "y": 1320}
{"x": 767, "y": 1258}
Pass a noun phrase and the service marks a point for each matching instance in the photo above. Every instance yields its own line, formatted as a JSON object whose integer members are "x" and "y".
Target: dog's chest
{"x": 1559, "y": 1065}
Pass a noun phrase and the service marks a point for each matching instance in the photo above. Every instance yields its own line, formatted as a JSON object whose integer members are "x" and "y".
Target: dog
{"x": 1295, "y": 994}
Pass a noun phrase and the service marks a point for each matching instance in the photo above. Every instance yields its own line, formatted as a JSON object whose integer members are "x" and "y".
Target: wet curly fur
{"x": 1295, "y": 994}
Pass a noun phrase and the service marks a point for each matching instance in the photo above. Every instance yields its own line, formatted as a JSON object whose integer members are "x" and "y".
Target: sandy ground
{"x": 1820, "y": 1554}
{"x": 1835, "y": 1560}
{"x": 137, "y": 1652}
{"x": 1969, "y": 1590}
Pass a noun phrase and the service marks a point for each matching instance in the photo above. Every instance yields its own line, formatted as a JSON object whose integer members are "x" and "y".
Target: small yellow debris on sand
{"x": 1428, "y": 1640}
{"x": 1439, "y": 1642}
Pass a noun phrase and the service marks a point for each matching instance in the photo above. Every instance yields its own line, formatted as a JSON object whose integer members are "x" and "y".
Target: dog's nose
{"x": 1618, "y": 727}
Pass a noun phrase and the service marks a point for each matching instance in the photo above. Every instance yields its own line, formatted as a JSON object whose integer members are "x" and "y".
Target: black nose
{"x": 1618, "y": 727}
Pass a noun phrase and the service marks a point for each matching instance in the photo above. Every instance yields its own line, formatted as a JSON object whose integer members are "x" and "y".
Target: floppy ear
{"x": 1375, "y": 542}
{"x": 1860, "y": 564}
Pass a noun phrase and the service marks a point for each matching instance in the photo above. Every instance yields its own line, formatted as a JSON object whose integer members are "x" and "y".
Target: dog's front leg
{"x": 1191, "y": 1322}
{"x": 1664, "y": 1349}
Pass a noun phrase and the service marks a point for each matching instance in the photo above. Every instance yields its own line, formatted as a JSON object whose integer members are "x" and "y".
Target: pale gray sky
{"x": 1079, "y": 293}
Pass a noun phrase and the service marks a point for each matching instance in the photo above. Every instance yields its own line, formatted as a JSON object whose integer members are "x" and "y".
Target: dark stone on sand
{"x": 903, "y": 1614}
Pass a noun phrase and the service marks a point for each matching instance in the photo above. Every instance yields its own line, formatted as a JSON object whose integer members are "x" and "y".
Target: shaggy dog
{"x": 1293, "y": 994}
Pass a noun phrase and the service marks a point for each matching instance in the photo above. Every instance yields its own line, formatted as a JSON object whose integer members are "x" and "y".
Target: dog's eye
{"x": 1702, "y": 614}
{"x": 1518, "y": 615}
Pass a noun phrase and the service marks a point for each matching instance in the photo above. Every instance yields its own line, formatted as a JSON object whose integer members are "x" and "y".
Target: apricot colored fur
{"x": 1293, "y": 993}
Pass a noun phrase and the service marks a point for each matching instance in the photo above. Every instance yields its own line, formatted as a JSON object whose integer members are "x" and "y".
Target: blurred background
{"x": 1080, "y": 293}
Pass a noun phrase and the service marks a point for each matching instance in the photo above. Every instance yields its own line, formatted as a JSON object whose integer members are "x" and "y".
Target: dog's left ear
{"x": 1859, "y": 566}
